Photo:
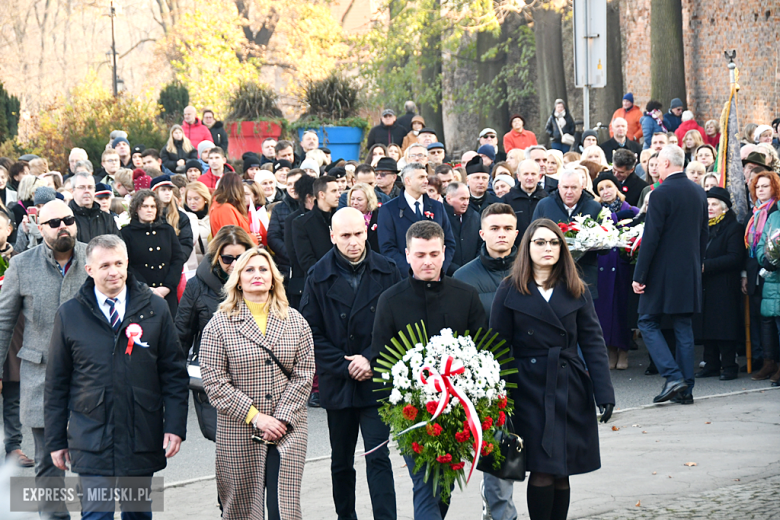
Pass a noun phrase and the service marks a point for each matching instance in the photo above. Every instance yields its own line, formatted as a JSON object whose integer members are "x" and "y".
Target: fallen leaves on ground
{"x": 689, "y": 464}
{"x": 615, "y": 428}
{"x": 638, "y": 503}
{"x": 708, "y": 422}
{"x": 655, "y": 473}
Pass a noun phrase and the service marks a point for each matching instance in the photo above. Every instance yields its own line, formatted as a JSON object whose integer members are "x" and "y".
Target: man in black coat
{"x": 440, "y": 302}
{"x": 340, "y": 303}
{"x": 525, "y": 195}
{"x": 668, "y": 271}
{"x": 116, "y": 385}
{"x": 311, "y": 232}
{"x": 406, "y": 120}
{"x": 623, "y": 165}
{"x": 286, "y": 206}
{"x": 218, "y": 134}
{"x": 465, "y": 225}
{"x": 303, "y": 187}
{"x": 90, "y": 220}
{"x": 478, "y": 180}
{"x": 620, "y": 141}
{"x": 569, "y": 201}
{"x": 387, "y": 132}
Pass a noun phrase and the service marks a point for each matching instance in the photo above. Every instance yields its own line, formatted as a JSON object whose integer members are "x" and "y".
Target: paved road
{"x": 632, "y": 389}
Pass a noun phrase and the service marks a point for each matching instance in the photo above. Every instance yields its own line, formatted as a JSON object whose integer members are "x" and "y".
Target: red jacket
{"x": 196, "y": 132}
{"x": 211, "y": 180}
{"x": 522, "y": 140}
{"x": 691, "y": 124}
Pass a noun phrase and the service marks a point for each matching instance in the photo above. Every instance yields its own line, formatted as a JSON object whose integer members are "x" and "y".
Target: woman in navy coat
{"x": 544, "y": 311}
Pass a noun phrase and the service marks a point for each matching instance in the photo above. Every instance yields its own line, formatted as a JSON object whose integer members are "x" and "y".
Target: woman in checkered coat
{"x": 257, "y": 363}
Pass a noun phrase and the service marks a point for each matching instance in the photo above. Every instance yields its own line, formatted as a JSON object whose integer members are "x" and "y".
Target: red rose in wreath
{"x": 463, "y": 436}
{"x": 434, "y": 430}
{"x": 418, "y": 448}
{"x": 501, "y": 418}
{"x": 487, "y": 423}
{"x": 444, "y": 459}
{"x": 431, "y": 407}
{"x": 458, "y": 466}
{"x": 410, "y": 412}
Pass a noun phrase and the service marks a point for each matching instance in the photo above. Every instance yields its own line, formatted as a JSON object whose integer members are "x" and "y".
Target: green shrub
{"x": 334, "y": 98}
{"x": 174, "y": 98}
{"x": 9, "y": 115}
{"x": 253, "y": 102}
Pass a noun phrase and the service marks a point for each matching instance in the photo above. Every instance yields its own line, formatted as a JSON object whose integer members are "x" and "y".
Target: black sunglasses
{"x": 55, "y": 222}
{"x": 228, "y": 259}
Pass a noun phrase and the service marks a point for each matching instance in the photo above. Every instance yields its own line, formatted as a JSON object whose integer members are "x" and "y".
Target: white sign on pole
{"x": 590, "y": 43}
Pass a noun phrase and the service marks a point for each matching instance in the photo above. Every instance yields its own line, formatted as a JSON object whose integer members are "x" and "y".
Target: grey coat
{"x": 34, "y": 286}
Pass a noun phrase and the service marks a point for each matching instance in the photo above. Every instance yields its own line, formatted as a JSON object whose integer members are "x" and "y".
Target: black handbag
{"x": 512, "y": 449}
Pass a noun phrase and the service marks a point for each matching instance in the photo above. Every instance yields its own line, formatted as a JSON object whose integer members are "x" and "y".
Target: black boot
{"x": 561, "y": 504}
{"x": 540, "y": 501}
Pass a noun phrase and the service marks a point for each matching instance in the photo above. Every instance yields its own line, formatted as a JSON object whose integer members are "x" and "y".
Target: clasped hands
{"x": 273, "y": 429}
{"x": 359, "y": 368}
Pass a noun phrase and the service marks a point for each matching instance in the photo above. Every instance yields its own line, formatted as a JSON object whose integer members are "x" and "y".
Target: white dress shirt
{"x": 120, "y": 305}
{"x": 411, "y": 201}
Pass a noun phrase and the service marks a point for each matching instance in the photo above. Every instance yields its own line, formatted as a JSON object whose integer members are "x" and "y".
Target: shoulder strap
{"x": 278, "y": 363}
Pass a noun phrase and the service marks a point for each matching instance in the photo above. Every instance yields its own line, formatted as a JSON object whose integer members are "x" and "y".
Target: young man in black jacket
{"x": 90, "y": 220}
{"x": 440, "y": 302}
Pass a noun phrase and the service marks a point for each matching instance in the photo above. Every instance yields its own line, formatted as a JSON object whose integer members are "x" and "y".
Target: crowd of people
{"x": 283, "y": 274}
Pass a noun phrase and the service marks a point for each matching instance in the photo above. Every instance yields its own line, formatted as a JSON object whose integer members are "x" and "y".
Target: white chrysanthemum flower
{"x": 395, "y": 396}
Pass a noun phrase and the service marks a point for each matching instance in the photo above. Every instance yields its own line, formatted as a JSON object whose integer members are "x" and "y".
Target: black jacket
{"x": 311, "y": 236}
{"x": 186, "y": 240}
{"x": 155, "y": 256}
{"x": 485, "y": 273}
{"x": 110, "y": 408}
{"x": 169, "y": 159}
{"x": 479, "y": 205}
{"x": 91, "y": 222}
{"x": 673, "y": 247}
{"x": 276, "y": 232}
{"x": 386, "y": 135}
{"x": 219, "y": 136}
{"x": 557, "y": 405}
{"x": 373, "y": 236}
{"x": 722, "y": 315}
{"x": 465, "y": 231}
{"x": 406, "y": 121}
{"x": 297, "y": 274}
{"x": 632, "y": 188}
{"x": 198, "y": 304}
{"x": 552, "y": 127}
{"x": 550, "y": 185}
{"x": 524, "y": 206}
{"x": 610, "y": 146}
{"x": 448, "y": 303}
{"x": 341, "y": 320}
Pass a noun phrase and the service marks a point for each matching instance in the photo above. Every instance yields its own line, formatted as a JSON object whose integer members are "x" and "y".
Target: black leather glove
{"x": 766, "y": 264}
{"x": 606, "y": 411}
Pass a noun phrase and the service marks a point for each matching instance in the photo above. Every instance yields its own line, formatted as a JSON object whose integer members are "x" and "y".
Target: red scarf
{"x": 755, "y": 227}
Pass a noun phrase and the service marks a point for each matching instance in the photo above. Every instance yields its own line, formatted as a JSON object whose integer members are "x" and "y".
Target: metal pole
{"x": 113, "y": 50}
{"x": 585, "y": 89}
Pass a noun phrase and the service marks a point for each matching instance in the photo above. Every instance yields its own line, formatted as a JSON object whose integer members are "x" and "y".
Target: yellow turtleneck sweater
{"x": 260, "y": 314}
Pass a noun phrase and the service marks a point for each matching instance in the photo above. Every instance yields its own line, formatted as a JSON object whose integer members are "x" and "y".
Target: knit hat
{"x": 117, "y": 133}
{"x": 760, "y": 130}
{"x": 326, "y": 151}
{"x": 488, "y": 151}
{"x": 282, "y": 163}
{"x": 103, "y": 190}
{"x": 264, "y": 175}
{"x": 505, "y": 178}
{"x": 119, "y": 140}
{"x": 721, "y": 194}
{"x": 517, "y": 116}
{"x": 476, "y": 165}
{"x": 251, "y": 160}
{"x": 630, "y": 97}
{"x": 162, "y": 180}
{"x": 44, "y": 194}
{"x": 139, "y": 148}
{"x": 141, "y": 181}
{"x": 193, "y": 163}
{"x": 606, "y": 177}
{"x": 434, "y": 146}
{"x": 204, "y": 145}
{"x": 386, "y": 164}
{"x": 338, "y": 172}
{"x": 559, "y": 101}
{"x": 589, "y": 133}
{"x": 676, "y": 103}
{"x": 310, "y": 164}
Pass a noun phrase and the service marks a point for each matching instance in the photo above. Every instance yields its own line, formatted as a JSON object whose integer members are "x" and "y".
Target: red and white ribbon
{"x": 134, "y": 333}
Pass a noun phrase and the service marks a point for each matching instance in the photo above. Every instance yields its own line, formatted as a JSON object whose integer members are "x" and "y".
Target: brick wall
{"x": 752, "y": 27}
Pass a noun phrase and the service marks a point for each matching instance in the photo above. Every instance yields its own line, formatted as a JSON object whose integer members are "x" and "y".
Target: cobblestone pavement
{"x": 756, "y": 500}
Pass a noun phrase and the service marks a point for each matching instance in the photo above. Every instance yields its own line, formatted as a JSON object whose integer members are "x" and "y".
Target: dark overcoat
{"x": 311, "y": 236}
{"x": 555, "y": 412}
{"x": 673, "y": 246}
{"x": 524, "y": 205}
{"x": 276, "y": 232}
{"x": 92, "y": 222}
{"x": 465, "y": 230}
{"x": 395, "y": 219}
{"x": 480, "y": 205}
{"x": 341, "y": 321}
{"x": 722, "y": 315}
{"x": 110, "y": 409}
{"x": 633, "y": 185}
{"x": 448, "y": 303}
{"x": 237, "y": 374}
{"x": 372, "y": 238}
{"x": 155, "y": 256}
{"x": 200, "y": 300}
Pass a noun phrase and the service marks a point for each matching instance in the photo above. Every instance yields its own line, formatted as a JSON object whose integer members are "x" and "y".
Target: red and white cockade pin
{"x": 429, "y": 214}
{"x": 134, "y": 333}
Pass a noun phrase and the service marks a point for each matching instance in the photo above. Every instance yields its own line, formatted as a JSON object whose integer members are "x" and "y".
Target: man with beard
{"x": 36, "y": 283}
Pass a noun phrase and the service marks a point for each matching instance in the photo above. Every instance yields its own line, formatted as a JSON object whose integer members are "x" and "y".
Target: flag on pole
{"x": 728, "y": 163}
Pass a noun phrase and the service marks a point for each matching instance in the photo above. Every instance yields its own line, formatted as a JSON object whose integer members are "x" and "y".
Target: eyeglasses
{"x": 228, "y": 259}
{"x": 489, "y": 136}
{"x": 54, "y": 223}
{"x": 417, "y": 155}
{"x": 383, "y": 174}
{"x": 542, "y": 243}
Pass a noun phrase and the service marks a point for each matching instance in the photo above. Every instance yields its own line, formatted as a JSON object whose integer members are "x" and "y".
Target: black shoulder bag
{"x": 513, "y": 450}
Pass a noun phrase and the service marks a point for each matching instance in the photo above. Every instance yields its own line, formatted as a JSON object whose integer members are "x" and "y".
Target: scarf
{"x": 613, "y": 206}
{"x": 220, "y": 273}
{"x": 716, "y": 220}
{"x": 755, "y": 226}
{"x": 367, "y": 217}
{"x": 202, "y": 213}
{"x": 659, "y": 120}
{"x": 560, "y": 120}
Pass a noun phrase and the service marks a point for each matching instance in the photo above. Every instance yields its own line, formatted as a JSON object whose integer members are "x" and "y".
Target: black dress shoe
{"x": 651, "y": 370}
{"x": 728, "y": 375}
{"x": 707, "y": 372}
{"x": 670, "y": 389}
{"x": 314, "y": 400}
{"x": 682, "y": 399}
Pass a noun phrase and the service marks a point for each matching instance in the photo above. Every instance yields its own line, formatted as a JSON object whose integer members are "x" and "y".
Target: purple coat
{"x": 614, "y": 284}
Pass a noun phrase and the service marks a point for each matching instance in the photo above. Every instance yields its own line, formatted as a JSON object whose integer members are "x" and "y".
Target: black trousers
{"x": 720, "y": 354}
{"x": 343, "y": 426}
{"x": 12, "y": 424}
{"x": 272, "y": 461}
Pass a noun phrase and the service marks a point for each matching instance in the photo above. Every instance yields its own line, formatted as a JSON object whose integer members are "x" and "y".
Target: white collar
{"x": 121, "y": 297}
{"x": 411, "y": 201}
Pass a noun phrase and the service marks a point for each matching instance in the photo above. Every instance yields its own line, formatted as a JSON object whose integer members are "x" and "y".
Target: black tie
{"x": 417, "y": 210}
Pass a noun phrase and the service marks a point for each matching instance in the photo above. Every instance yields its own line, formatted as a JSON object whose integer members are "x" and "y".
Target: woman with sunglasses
{"x": 199, "y": 303}
{"x": 544, "y": 311}
{"x": 257, "y": 362}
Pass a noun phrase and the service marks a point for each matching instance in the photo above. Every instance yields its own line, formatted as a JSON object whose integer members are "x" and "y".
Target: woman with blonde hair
{"x": 595, "y": 154}
{"x": 695, "y": 171}
{"x": 197, "y": 199}
{"x": 177, "y": 151}
{"x": 39, "y": 166}
{"x": 317, "y": 156}
{"x": 554, "y": 164}
{"x": 257, "y": 363}
{"x": 712, "y": 133}
{"x": 690, "y": 142}
{"x": 363, "y": 198}
{"x": 394, "y": 151}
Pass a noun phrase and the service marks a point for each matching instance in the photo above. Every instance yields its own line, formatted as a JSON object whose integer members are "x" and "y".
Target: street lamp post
{"x": 113, "y": 50}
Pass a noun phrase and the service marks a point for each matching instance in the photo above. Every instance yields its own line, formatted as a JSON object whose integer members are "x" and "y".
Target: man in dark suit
{"x": 413, "y": 205}
{"x": 623, "y": 165}
{"x": 668, "y": 272}
{"x": 339, "y": 303}
{"x": 567, "y": 202}
{"x": 465, "y": 225}
{"x": 525, "y": 195}
{"x": 439, "y": 301}
{"x": 311, "y": 232}
{"x": 478, "y": 180}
